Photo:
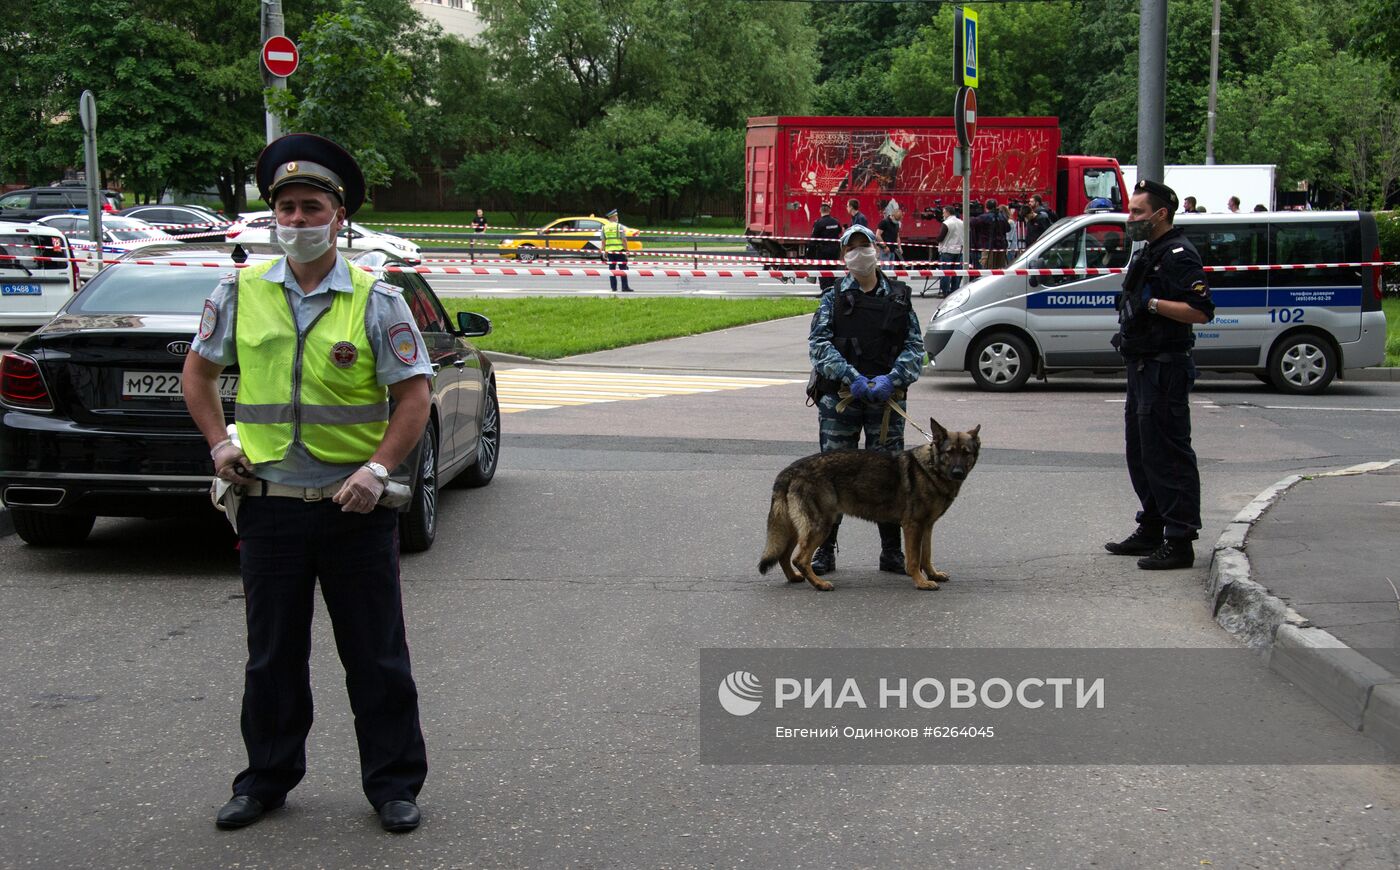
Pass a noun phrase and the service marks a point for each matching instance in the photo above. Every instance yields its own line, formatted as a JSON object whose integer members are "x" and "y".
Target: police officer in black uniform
{"x": 1164, "y": 293}
{"x": 826, "y": 245}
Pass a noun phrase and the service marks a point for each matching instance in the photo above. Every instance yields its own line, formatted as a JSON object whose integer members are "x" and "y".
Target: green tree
{"x": 1296, "y": 115}
{"x": 357, "y": 92}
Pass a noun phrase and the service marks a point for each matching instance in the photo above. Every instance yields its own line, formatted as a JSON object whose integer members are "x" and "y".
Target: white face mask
{"x": 304, "y": 244}
{"x": 862, "y": 260}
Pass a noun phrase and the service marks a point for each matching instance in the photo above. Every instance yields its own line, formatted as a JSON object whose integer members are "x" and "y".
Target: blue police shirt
{"x": 384, "y": 310}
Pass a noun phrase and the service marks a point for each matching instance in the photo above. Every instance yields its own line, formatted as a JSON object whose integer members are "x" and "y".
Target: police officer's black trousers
{"x": 287, "y": 544}
{"x": 618, "y": 261}
{"x": 1161, "y": 463}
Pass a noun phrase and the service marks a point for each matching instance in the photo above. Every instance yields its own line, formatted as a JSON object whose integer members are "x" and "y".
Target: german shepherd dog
{"x": 913, "y": 488}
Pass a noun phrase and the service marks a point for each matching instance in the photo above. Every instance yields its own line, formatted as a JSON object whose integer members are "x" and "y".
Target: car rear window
{"x": 131, "y": 289}
{"x": 19, "y": 251}
{"x": 136, "y": 235}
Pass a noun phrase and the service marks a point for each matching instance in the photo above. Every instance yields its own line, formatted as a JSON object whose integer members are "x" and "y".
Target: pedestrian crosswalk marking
{"x": 540, "y": 389}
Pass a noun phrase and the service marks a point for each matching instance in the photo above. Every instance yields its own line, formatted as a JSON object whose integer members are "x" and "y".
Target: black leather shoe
{"x": 1173, "y": 553}
{"x": 399, "y": 816}
{"x": 892, "y": 561}
{"x": 240, "y": 812}
{"x": 824, "y": 560}
{"x": 1142, "y": 542}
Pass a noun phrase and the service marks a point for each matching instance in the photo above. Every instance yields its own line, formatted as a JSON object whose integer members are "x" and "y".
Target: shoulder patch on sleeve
{"x": 208, "y": 321}
{"x": 386, "y": 288}
{"x": 404, "y": 343}
{"x": 1199, "y": 288}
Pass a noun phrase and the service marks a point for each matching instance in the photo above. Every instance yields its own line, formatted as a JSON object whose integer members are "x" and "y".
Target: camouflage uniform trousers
{"x": 840, "y": 430}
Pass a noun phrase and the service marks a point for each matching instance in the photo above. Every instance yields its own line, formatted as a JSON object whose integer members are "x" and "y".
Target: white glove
{"x": 231, "y": 464}
{"x": 360, "y": 492}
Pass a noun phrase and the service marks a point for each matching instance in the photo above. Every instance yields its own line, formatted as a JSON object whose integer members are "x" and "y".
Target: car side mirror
{"x": 473, "y": 325}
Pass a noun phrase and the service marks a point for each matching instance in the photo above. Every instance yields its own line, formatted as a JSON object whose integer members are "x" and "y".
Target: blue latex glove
{"x": 860, "y": 389}
{"x": 881, "y": 388}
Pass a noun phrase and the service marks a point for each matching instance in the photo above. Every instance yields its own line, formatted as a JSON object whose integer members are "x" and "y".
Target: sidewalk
{"x": 1305, "y": 574}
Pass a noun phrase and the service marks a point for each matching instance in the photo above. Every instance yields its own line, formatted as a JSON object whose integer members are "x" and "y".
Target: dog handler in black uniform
{"x": 864, "y": 337}
{"x": 1164, "y": 293}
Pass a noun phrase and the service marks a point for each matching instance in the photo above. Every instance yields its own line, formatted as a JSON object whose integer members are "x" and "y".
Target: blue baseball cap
{"x": 853, "y": 229}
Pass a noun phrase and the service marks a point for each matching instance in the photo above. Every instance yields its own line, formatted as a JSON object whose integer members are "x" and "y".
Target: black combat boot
{"x": 824, "y": 559}
{"x": 1142, "y": 542}
{"x": 891, "y": 550}
{"x": 1173, "y": 553}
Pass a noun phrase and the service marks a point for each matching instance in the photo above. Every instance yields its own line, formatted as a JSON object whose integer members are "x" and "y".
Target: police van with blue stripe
{"x": 1296, "y": 329}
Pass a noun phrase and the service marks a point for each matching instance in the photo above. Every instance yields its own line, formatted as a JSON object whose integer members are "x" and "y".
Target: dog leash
{"x": 891, "y": 404}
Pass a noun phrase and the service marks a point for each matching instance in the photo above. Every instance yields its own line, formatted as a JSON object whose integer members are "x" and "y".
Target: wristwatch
{"x": 380, "y": 472}
{"x": 1152, "y": 305}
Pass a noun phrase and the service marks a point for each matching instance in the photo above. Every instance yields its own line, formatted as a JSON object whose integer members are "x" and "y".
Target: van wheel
{"x": 44, "y": 529}
{"x": 1001, "y": 362}
{"x": 418, "y": 526}
{"x": 1303, "y": 364}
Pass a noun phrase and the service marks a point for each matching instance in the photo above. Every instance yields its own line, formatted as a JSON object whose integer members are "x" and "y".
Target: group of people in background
{"x": 1232, "y": 205}
{"x": 999, "y": 233}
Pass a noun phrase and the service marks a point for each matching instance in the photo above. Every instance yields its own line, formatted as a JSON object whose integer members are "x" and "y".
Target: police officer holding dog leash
{"x": 321, "y": 349}
{"x": 865, "y": 338}
{"x": 1164, "y": 294}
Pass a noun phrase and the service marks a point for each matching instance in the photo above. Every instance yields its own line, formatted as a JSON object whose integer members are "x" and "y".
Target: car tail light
{"x": 1376, "y": 273}
{"x": 107, "y": 206}
{"x": 22, "y": 384}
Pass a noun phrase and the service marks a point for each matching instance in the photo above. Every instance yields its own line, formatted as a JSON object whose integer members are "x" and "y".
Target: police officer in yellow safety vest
{"x": 613, "y": 235}
{"x": 321, "y": 349}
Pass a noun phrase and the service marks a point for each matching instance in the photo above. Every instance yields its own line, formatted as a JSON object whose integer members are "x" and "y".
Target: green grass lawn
{"x": 1392, "y": 330}
{"x": 551, "y": 327}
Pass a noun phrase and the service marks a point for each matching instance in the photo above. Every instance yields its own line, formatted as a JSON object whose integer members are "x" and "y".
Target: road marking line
{"x": 540, "y": 389}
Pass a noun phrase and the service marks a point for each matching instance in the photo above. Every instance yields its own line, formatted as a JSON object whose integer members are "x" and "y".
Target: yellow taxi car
{"x": 566, "y": 236}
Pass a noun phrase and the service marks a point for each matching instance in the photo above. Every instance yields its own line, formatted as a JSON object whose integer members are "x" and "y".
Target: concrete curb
{"x": 1358, "y": 691}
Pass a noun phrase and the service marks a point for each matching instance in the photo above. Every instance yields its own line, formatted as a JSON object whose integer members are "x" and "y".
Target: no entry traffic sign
{"x": 280, "y": 56}
{"x": 965, "y": 116}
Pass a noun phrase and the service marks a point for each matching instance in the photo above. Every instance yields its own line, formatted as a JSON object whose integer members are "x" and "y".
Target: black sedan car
{"x": 92, "y": 422}
{"x": 189, "y": 223}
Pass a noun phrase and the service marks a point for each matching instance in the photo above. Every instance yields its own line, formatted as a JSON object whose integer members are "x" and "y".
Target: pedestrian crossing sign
{"x": 968, "y": 42}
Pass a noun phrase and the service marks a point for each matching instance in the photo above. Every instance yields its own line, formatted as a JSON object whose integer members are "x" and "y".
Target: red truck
{"x": 792, "y": 164}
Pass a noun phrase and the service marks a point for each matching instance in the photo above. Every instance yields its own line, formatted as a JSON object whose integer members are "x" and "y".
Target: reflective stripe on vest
{"x": 318, "y": 389}
{"x": 613, "y": 240}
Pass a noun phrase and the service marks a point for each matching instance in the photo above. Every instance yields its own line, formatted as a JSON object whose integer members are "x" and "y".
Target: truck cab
{"x": 1079, "y": 180}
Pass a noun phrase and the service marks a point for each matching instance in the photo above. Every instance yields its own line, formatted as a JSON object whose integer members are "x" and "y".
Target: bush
{"x": 1388, "y": 228}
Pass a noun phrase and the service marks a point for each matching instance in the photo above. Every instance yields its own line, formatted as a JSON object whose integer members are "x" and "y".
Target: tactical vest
{"x": 1140, "y": 332}
{"x": 318, "y": 389}
{"x": 614, "y": 242}
{"x": 869, "y": 330}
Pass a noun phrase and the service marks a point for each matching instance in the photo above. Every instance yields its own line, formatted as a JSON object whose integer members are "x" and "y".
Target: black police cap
{"x": 305, "y": 158}
{"x": 1159, "y": 190}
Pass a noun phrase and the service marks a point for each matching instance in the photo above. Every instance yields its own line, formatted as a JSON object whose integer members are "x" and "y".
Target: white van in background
{"x": 37, "y": 274}
{"x": 1294, "y": 328}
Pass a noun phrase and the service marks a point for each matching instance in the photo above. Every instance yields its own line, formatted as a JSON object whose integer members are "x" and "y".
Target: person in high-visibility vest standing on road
{"x": 614, "y": 238}
{"x": 321, "y": 348}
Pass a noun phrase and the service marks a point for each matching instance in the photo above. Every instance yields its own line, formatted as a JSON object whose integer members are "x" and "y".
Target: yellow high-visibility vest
{"x": 319, "y": 389}
{"x": 614, "y": 241}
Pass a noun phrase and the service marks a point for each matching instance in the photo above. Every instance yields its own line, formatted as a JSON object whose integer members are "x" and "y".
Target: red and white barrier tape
{"x": 719, "y": 273}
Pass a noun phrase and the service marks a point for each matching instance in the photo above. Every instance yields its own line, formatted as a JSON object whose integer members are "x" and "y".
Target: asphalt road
{"x": 556, "y": 627}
